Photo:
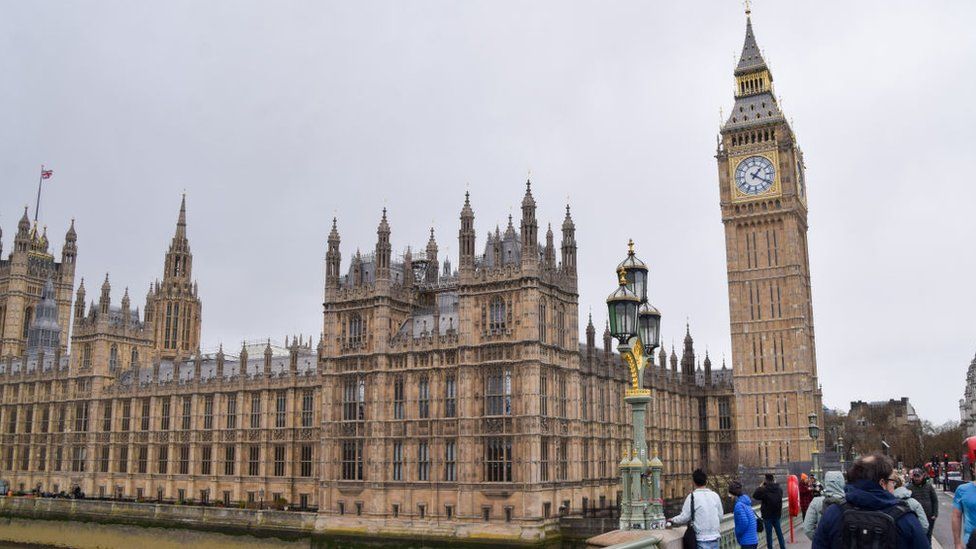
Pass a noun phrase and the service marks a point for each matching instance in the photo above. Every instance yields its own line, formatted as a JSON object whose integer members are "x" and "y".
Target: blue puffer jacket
{"x": 868, "y": 495}
{"x": 745, "y": 521}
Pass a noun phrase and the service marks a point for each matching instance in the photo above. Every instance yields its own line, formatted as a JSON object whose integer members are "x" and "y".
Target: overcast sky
{"x": 272, "y": 116}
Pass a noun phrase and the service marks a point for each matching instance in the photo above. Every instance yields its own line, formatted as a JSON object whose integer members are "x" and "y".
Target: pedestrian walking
{"x": 964, "y": 512}
{"x": 703, "y": 510}
{"x": 901, "y": 492}
{"x": 923, "y": 491}
{"x": 744, "y": 517}
{"x": 833, "y": 494}
{"x": 871, "y": 516}
{"x": 806, "y": 494}
{"x": 770, "y": 496}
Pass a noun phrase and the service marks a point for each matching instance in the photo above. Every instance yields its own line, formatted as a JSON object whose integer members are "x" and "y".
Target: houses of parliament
{"x": 441, "y": 398}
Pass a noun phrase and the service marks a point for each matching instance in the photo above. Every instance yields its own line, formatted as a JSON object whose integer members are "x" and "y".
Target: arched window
{"x": 542, "y": 322}
{"x": 113, "y": 358}
{"x": 134, "y": 359}
{"x": 86, "y": 356}
{"x": 496, "y": 315}
{"x": 356, "y": 329}
{"x": 561, "y": 326}
{"x": 28, "y": 316}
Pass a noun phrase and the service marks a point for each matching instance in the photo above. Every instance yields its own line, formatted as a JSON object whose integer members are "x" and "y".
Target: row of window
{"x": 165, "y": 410}
{"x": 163, "y": 462}
{"x": 497, "y": 463}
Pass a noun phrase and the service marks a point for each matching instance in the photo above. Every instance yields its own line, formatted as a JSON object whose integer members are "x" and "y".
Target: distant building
{"x": 900, "y": 410}
{"x": 871, "y": 426}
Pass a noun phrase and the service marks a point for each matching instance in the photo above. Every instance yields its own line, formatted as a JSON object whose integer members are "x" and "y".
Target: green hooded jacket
{"x": 833, "y": 492}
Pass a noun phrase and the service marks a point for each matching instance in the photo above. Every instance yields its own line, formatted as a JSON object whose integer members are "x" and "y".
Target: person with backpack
{"x": 833, "y": 493}
{"x": 871, "y": 516}
{"x": 770, "y": 496}
{"x": 702, "y": 510}
{"x": 744, "y": 518}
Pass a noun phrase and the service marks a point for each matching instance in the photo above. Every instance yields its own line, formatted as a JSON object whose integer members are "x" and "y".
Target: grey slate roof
{"x": 751, "y": 58}
{"x": 754, "y": 110}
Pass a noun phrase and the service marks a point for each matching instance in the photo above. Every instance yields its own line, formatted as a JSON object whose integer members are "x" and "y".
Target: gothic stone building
{"x": 452, "y": 402}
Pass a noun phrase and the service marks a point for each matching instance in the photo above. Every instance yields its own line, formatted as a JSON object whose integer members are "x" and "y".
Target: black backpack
{"x": 863, "y": 529}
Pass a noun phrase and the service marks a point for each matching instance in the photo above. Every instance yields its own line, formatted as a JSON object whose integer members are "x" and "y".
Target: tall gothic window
{"x": 357, "y": 329}
{"x": 542, "y": 321}
{"x": 450, "y": 461}
{"x": 398, "y": 460}
{"x": 354, "y": 399}
{"x": 134, "y": 359}
{"x": 208, "y": 403}
{"x": 398, "y": 397}
{"x": 164, "y": 414}
{"x": 172, "y": 325}
{"x": 498, "y": 459}
{"x": 86, "y": 356}
{"x": 496, "y": 317}
{"x": 561, "y": 326}
{"x": 113, "y": 358}
{"x": 423, "y": 461}
{"x": 308, "y": 402}
{"x": 423, "y": 399}
{"x": 563, "y": 396}
{"x": 306, "y": 461}
{"x": 28, "y": 315}
{"x": 255, "y": 410}
{"x": 544, "y": 459}
{"x": 450, "y": 396}
{"x": 352, "y": 459}
{"x": 186, "y": 327}
{"x": 544, "y": 393}
{"x": 498, "y": 392}
{"x": 281, "y": 404}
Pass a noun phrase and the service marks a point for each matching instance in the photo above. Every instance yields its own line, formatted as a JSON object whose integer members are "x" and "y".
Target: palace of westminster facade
{"x": 437, "y": 399}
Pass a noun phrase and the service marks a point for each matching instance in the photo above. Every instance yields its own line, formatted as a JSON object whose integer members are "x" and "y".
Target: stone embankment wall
{"x": 107, "y": 524}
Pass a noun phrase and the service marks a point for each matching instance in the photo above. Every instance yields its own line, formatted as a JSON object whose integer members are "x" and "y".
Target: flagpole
{"x": 40, "y": 180}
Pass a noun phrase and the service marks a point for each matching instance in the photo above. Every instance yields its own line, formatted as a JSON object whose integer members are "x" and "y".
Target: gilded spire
{"x": 751, "y": 59}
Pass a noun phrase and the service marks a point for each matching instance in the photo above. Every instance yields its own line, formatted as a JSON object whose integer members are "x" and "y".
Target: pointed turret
{"x": 569, "y": 244}
{"x": 607, "y": 341}
{"x": 105, "y": 300}
{"x": 751, "y": 58}
{"x": 529, "y": 227}
{"x": 332, "y": 258}
{"x": 125, "y": 306}
{"x": 755, "y": 101}
{"x": 432, "y": 263}
{"x": 22, "y": 238}
{"x": 590, "y": 333}
{"x": 708, "y": 370}
{"x": 466, "y": 236}
{"x": 688, "y": 356}
{"x": 662, "y": 359}
{"x": 267, "y": 359}
{"x": 179, "y": 259}
{"x": 550, "y": 253}
{"x": 383, "y": 249}
{"x": 80, "y": 301}
{"x": 408, "y": 280}
{"x": 70, "y": 249}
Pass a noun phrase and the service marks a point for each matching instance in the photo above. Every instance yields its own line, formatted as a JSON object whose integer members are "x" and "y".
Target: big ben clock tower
{"x": 764, "y": 210}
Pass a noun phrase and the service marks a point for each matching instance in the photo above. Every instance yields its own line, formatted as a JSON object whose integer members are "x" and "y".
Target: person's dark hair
{"x": 874, "y": 467}
{"x": 699, "y": 477}
{"x": 735, "y": 488}
{"x": 770, "y": 478}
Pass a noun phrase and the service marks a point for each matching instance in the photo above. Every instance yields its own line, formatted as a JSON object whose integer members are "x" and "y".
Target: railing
{"x": 672, "y": 537}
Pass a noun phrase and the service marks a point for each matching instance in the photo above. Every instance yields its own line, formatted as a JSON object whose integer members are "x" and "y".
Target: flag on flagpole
{"x": 46, "y": 174}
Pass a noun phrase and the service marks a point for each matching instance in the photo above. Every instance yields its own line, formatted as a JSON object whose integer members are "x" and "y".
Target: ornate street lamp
{"x": 636, "y": 324}
{"x": 814, "y": 431}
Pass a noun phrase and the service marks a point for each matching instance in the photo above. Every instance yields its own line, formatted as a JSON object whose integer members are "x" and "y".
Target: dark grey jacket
{"x": 925, "y": 494}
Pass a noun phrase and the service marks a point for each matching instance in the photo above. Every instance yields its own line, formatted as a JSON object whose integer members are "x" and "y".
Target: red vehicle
{"x": 968, "y": 458}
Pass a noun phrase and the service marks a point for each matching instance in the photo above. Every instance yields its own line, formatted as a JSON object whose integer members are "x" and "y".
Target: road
{"x": 943, "y": 525}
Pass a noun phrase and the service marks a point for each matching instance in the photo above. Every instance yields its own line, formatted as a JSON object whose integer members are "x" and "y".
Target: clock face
{"x": 754, "y": 175}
